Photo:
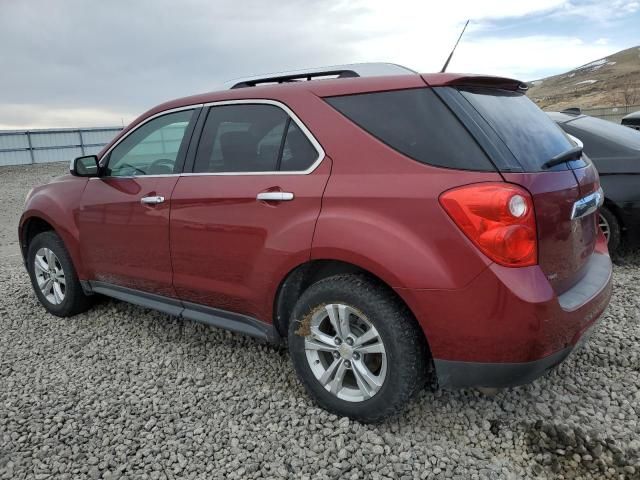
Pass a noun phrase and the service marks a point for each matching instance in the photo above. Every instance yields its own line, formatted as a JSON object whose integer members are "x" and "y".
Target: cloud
{"x": 542, "y": 55}
{"x": 426, "y": 38}
{"x": 26, "y": 116}
{"x": 597, "y": 10}
{"x": 75, "y": 62}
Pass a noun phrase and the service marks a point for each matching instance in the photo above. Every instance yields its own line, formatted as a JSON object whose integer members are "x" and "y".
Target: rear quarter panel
{"x": 380, "y": 210}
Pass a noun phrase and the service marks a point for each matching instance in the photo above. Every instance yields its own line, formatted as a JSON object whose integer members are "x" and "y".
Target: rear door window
{"x": 256, "y": 138}
{"x": 530, "y": 135}
{"x": 297, "y": 153}
{"x": 418, "y": 124}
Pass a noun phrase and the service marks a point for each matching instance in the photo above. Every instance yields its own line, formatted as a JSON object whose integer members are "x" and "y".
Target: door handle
{"x": 275, "y": 196}
{"x": 153, "y": 200}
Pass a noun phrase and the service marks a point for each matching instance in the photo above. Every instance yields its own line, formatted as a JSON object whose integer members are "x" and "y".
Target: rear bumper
{"x": 508, "y": 327}
{"x": 452, "y": 374}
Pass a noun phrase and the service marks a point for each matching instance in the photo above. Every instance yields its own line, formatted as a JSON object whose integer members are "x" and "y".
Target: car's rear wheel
{"x": 53, "y": 276}
{"x": 356, "y": 348}
{"x": 610, "y": 227}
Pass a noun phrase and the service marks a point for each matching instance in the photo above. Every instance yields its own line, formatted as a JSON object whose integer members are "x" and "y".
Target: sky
{"x": 83, "y": 63}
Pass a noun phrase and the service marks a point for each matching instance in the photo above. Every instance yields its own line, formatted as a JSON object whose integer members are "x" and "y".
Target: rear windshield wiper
{"x": 571, "y": 154}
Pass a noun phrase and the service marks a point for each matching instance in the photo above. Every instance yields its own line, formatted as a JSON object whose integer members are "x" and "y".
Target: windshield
{"x": 532, "y": 137}
{"x": 625, "y": 136}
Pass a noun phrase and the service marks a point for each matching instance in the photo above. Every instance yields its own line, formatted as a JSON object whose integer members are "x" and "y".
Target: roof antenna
{"x": 446, "y": 64}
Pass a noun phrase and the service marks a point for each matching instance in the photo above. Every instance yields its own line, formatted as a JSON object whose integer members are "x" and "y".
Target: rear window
{"x": 416, "y": 123}
{"x": 532, "y": 137}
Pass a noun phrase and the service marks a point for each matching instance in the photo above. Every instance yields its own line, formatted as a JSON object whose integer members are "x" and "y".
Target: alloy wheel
{"x": 50, "y": 276}
{"x": 346, "y": 353}
{"x": 604, "y": 226}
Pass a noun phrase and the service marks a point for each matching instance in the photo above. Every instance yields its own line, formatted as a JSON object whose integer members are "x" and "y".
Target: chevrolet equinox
{"x": 393, "y": 228}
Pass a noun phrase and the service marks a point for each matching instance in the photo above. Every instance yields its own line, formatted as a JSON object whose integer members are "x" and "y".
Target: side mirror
{"x": 86, "y": 166}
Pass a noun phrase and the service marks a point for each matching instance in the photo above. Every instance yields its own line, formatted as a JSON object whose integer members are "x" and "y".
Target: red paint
{"x": 123, "y": 241}
{"x": 564, "y": 245}
{"x": 58, "y": 203}
{"x": 213, "y": 243}
{"x": 230, "y": 250}
{"x": 504, "y": 315}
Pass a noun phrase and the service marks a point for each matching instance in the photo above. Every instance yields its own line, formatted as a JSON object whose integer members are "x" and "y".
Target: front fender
{"x": 57, "y": 203}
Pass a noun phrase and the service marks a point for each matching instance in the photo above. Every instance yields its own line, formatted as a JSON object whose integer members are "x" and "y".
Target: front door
{"x": 124, "y": 213}
{"x": 247, "y": 213}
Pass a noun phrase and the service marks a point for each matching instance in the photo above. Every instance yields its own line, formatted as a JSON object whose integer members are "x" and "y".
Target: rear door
{"x": 245, "y": 216}
{"x": 565, "y": 243}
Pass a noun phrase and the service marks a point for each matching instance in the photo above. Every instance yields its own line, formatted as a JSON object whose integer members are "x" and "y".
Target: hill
{"x": 606, "y": 82}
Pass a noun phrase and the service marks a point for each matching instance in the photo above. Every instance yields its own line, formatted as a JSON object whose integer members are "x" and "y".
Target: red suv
{"x": 393, "y": 229}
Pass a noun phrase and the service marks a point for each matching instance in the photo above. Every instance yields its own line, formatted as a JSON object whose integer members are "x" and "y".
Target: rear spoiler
{"x": 464, "y": 80}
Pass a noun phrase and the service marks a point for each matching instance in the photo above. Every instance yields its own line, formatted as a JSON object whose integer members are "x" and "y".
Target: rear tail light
{"x": 498, "y": 218}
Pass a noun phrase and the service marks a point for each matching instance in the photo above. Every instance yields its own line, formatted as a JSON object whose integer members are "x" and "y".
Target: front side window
{"x": 252, "y": 138}
{"x": 152, "y": 149}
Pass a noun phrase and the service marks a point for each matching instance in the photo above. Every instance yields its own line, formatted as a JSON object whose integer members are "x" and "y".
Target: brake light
{"x": 498, "y": 218}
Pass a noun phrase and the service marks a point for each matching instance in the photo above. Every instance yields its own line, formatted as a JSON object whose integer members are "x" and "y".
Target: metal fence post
{"x": 33, "y": 160}
{"x": 81, "y": 142}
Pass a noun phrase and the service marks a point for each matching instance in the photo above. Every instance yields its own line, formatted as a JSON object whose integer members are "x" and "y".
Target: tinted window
{"x": 532, "y": 137}
{"x": 416, "y": 123}
{"x": 152, "y": 149}
{"x": 249, "y": 138}
{"x": 298, "y": 154}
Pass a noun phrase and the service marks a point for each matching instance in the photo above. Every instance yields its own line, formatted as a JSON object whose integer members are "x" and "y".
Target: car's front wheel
{"x": 356, "y": 349}
{"x": 53, "y": 276}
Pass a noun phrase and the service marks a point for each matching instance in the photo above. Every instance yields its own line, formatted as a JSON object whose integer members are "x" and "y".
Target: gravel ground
{"x": 124, "y": 392}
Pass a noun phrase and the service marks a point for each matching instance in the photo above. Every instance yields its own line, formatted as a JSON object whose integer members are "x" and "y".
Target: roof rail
{"x": 336, "y": 71}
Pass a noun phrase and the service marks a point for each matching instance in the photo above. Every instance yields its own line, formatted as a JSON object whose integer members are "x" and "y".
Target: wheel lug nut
{"x": 356, "y": 355}
{"x": 347, "y": 363}
{"x": 336, "y": 355}
{"x": 349, "y": 341}
{"x": 337, "y": 340}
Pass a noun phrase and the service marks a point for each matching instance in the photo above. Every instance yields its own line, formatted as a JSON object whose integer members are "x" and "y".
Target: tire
{"x": 401, "y": 371}
{"x": 68, "y": 298}
{"x": 608, "y": 221}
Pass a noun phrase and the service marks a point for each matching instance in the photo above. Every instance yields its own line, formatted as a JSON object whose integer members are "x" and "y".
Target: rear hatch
{"x": 521, "y": 140}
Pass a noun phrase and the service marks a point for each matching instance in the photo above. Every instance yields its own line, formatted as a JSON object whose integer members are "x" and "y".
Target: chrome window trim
{"x": 292, "y": 115}
{"x": 252, "y": 101}
{"x": 144, "y": 122}
{"x": 159, "y": 175}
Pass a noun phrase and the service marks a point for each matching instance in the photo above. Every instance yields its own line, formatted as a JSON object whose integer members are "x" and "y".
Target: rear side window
{"x": 416, "y": 123}
{"x": 532, "y": 137}
{"x": 252, "y": 138}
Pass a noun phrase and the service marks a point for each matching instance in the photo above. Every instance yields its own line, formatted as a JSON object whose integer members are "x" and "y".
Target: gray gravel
{"x": 124, "y": 392}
